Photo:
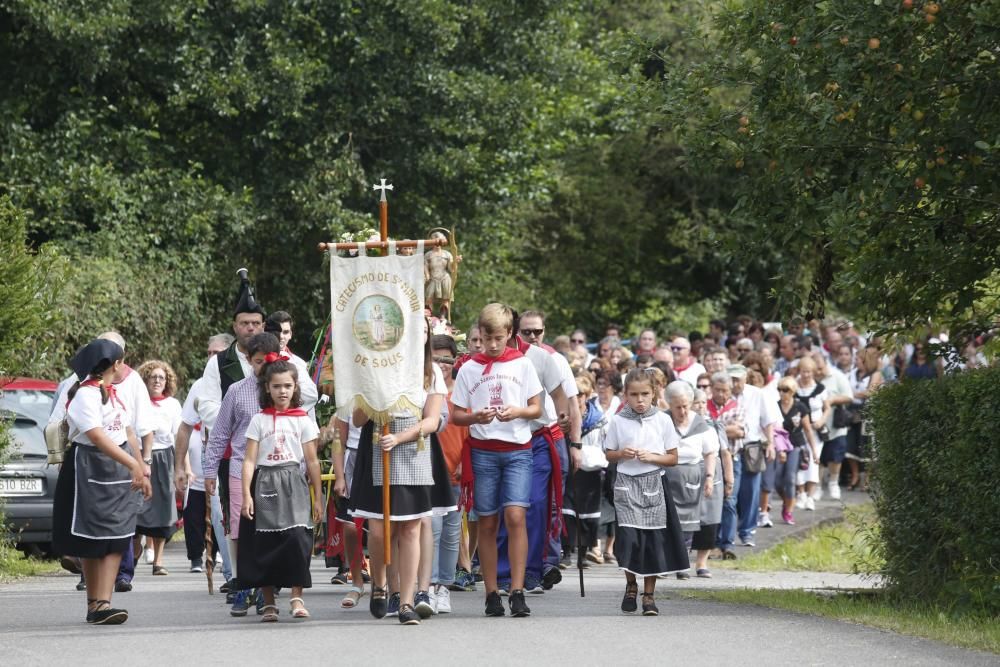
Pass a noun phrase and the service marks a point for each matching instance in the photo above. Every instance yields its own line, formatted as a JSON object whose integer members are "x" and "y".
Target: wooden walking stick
{"x": 209, "y": 546}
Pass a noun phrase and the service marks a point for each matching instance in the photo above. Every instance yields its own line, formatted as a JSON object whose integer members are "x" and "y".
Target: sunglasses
{"x": 785, "y": 390}
{"x": 677, "y": 348}
{"x": 532, "y": 332}
{"x": 704, "y": 386}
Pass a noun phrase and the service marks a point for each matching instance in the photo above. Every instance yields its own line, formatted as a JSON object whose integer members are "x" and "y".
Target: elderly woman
{"x": 695, "y": 483}
{"x": 693, "y": 476}
{"x": 796, "y": 422}
{"x": 158, "y": 516}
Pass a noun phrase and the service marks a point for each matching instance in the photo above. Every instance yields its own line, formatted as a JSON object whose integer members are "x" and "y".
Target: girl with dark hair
{"x": 97, "y": 496}
{"x": 276, "y": 528}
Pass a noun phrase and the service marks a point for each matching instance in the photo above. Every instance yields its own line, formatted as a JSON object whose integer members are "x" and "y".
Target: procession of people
{"x": 507, "y": 461}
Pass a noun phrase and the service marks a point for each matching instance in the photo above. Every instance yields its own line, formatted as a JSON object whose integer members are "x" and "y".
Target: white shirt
{"x": 815, "y": 403}
{"x": 691, "y": 373}
{"x": 568, "y": 383}
{"x": 655, "y": 434}
{"x": 758, "y": 413}
{"x": 307, "y": 388}
{"x": 189, "y": 415}
{"x": 132, "y": 392}
{"x": 279, "y": 439}
{"x": 837, "y": 385}
{"x": 86, "y": 412}
{"x": 509, "y": 383}
{"x": 166, "y": 419}
{"x": 211, "y": 393}
{"x": 694, "y": 448}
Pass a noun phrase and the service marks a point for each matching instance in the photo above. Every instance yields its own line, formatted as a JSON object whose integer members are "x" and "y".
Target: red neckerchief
{"x": 522, "y": 347}
{"x": 290, "y": 412}
{"x": 110, "y": 388}
{"x": 681, "y": 370}
{"x": 715, "y": 411}
{"x": 126, "y": 371}
{"x": 508, "y": 354}
{"x": 159, "y": 399}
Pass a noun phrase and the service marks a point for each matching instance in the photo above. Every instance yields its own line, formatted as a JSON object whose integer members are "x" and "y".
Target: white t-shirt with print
{"x": 279, "y": 439}
{"x": 86, "y": 412}
{"x": 165, "y": 418}
{"x": 508, "y": 383}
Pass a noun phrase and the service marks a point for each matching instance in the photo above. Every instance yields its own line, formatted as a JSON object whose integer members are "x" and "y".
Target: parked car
{"x": 29, "y": 397}
{"x": 28, "y": 485}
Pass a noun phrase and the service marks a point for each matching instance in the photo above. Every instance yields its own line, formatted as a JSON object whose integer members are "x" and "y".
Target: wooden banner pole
{"x": 383, "y": 232}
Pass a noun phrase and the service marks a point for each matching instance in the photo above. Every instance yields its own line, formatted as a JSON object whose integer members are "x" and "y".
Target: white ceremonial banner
{"x": 378, "y": 325}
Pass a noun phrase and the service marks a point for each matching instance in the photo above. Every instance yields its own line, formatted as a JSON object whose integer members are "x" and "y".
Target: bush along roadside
{"x": 937, "y": 449}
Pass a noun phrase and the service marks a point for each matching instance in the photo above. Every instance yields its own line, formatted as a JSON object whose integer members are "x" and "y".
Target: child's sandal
{"x": 629, "y": 605}
{"x": 270, "y": 614}
{"x": 301, "y": 612}
{"x": 353, "y": 597}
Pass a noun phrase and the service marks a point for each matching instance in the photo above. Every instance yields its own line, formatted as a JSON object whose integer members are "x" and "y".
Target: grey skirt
{"x": 685, "y": 483}
{"x": 159, "y": 514}
{"x": 281, "y": 499}
{"x": 711, "y": 508}
{"x": 104, "y": 502}
{"x": 639, "y": 501}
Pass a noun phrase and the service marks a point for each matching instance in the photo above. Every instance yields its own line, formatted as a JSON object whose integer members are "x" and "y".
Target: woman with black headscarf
{"x": 102, "y": 482}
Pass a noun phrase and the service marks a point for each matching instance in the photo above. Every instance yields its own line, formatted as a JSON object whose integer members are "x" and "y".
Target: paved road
{"x": 174, "y": 621}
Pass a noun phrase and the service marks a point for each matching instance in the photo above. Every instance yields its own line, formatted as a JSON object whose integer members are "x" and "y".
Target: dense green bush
{"x": 938, "y": 450}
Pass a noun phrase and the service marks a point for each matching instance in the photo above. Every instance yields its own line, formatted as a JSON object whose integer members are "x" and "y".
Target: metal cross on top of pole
{"x": 382, "y": 243}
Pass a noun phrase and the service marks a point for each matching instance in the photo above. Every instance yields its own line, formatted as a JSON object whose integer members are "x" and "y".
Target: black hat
{"x": 247, "y": 303}
{"x": 94, "y": 355}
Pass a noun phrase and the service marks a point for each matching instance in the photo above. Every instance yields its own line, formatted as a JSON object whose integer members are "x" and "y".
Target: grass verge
{"x": 877, "y": 611}
{"x": 837, "y": 547}
{"x": 15, "y": 565}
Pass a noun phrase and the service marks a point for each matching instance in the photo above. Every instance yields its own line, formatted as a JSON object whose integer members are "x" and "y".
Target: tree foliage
{"x": 866, "y": 136}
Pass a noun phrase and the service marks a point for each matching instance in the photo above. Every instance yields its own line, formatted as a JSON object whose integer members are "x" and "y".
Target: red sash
{"x": 553, "y": 528}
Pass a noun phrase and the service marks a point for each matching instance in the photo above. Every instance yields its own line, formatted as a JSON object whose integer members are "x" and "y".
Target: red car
{"x": 27, "y": 481}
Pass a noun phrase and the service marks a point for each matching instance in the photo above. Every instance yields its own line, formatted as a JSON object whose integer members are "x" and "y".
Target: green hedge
{"x": 937, "y": 488}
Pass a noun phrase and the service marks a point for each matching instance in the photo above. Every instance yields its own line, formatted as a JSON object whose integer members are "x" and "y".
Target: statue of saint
{"x": 440, "y": 272}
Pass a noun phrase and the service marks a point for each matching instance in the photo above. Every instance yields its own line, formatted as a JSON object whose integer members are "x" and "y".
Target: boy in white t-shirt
{"x": 497, "y": 393}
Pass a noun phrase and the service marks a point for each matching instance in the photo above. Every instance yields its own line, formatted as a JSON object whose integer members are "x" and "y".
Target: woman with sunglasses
{"x": 795, "y": 415}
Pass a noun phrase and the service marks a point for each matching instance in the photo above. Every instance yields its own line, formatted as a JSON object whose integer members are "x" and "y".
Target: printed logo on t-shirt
{"x": 496, "y": 398}
{"x": 117, "y": 424}
{"x": 280, "y": 453}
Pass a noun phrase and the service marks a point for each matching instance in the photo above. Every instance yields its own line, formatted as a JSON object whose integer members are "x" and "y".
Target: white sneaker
{"x": 764, "y": 520}
{"x": 442, "y": 600}
{"x": 810, "y": 504}
{"x": 834, "y": 491}
{"x": 800, "y": 501}
{"x": 817, "y": 493}
{"x": 150, "y": 559}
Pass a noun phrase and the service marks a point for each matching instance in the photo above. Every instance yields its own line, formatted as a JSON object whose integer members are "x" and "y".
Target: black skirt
{"x": 64, "y": 542}
{"x": 649, "y": 552}
{"x": 705, "y": 538}
{"x": 586, "y": 483}
{"x": 278, "y": 558}
{"x": 407, "y": 502}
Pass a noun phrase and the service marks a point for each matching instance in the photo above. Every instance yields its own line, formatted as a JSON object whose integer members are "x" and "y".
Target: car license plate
{"x": 20, "y": 486}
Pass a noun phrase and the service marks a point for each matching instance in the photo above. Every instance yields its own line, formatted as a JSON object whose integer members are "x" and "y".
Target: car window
{"x": 27, "y": 439}
{"x": 33, "y": 403}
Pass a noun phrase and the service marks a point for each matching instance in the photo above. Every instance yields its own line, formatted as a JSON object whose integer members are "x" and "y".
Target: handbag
{"x": 592, "y": 458}
{"x": 754, "y": 459}
{"x": 845, "y": 416}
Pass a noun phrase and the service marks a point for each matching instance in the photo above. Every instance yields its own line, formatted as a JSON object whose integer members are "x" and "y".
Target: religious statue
{"x": 441, "y": 273}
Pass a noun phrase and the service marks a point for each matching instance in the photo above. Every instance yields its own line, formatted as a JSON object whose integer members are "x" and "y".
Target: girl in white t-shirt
{"x": 642, "y": 440}
{"x": 276, "y": 529}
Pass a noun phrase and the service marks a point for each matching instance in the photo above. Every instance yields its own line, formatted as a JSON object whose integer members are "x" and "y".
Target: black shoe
{"x": 649, "y": 607}
{"x": 107, "y": 616}
{"x": 71, "y": 565}
{"x": 226, "y": 587}
{"x": 230, "y": 597}
{"x": 551, "y": 577}
{"x": 494, "y": 605}
{"x": 683, "y": 575}
{"x": 629, "y": 605}
{"x": 123, "y": 586}
{"x": 376, "y": 604}
{"x": 518, "y": 607}
{"x": 82, "y": 584}
{"x": 407, "y": 616}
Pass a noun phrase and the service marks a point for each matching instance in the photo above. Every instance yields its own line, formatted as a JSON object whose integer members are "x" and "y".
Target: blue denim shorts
{"x": 503, "y": 479}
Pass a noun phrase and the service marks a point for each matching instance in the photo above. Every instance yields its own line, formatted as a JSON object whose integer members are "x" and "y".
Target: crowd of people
{"x": 525, "y": 459}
